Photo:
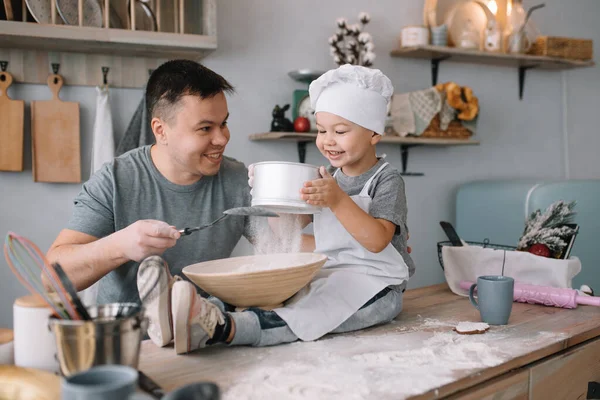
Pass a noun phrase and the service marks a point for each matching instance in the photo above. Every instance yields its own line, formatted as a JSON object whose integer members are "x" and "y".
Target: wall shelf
{"x": 28, "y": 35}
{"x": 179, "y": 29}
{"x": 522, "y": 62}
{"x": 405, "y": 143}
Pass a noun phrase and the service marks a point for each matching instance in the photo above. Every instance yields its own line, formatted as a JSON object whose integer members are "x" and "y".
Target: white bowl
{"x": 277, "y": 186}
{"x": 264, "y": 281}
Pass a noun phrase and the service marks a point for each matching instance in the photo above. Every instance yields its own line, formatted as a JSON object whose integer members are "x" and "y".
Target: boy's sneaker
{"x": 155, "y": 282}
{"x": 195, "y": 318}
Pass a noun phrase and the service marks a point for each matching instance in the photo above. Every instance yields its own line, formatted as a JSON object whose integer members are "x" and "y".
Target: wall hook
{"x": 55, "y": 69}
{"x": 105, "y": 75}
{"x": 3, "y": 65}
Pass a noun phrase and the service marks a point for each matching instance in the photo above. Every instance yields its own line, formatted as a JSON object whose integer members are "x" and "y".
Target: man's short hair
{"x": 177, "y": 78}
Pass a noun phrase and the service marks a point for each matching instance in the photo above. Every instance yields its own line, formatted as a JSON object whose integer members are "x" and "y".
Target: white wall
{"x": 260, "y": 41}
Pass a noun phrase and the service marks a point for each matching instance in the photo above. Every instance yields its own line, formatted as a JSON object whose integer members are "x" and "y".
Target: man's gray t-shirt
{"x": 388, "y": 201}
{"x": 130, "y": 188}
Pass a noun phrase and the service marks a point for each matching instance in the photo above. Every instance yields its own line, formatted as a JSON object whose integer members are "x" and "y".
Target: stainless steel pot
{"x": 112, "y": 337}
{"x": 277, "y": 186}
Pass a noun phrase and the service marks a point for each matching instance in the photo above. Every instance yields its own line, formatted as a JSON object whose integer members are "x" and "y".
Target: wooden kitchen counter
{"x": 544, "y": 353}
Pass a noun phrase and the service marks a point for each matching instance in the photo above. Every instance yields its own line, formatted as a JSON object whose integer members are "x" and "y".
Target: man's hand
{"x": 324, "y": 192}
{"x": 146, "y": 238}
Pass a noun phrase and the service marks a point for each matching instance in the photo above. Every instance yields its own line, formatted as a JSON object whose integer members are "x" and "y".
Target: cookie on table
{"x": 471, "y": 328}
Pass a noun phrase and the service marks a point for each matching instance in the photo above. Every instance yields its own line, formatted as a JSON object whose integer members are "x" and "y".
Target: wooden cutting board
{"x": 55, "y": 138}
{"x": 11, "y": 128}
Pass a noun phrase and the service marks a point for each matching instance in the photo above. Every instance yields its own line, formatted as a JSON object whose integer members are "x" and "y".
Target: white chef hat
{"x": 358, "y": 94}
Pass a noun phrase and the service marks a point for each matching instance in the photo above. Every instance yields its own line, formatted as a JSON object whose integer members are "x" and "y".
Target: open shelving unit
{"x": 522, "y": 62}
{"x": 129, "y": 48}
{"x": 405, "y": 143}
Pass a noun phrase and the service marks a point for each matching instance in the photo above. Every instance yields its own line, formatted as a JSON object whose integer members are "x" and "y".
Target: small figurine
{"x": 280, "y": 123}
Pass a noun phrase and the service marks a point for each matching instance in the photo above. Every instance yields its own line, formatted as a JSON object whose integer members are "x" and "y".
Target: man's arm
{"x": 86, "y": 258}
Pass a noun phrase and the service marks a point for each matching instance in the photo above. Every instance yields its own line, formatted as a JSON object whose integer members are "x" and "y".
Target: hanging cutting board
{"x": 55, "y": 138}
{"x": 11, "y": 128}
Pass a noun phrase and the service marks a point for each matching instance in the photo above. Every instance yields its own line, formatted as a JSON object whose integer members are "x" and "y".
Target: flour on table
{"x": 377, "y": 366}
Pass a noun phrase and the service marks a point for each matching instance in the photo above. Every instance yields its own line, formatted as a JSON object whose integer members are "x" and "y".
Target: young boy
{"x": 361, "y": 228}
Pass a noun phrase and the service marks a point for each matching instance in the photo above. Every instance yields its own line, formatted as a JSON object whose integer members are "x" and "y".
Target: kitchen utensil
{"x": 454, "y": 14}
{"x": 262, "y": 281}
{"x": 451, "y": 233}
{"x": 149, "y": 386}
{"x": 68, "y": 285}
{"x": 305, "y": 75}
{"x": 494, "y": 298}
{"x": 439, "y": 35}
{"x": 277, "y": 186}
{"x": 195, "y": 391}
{"x": 11, "y": 136}
{"x": 103, "y": 340}
{"x": 244, "y": 211}
{"x": 28, "y": 384}
{"x": 531, "y": 10}
{"x": 41, "y": 11}
{"x": 27, "y": 262}
{"x": 145, "y": 20}
{"x": 69, "y": 12}
{"x": 34, "y": 344}
{"x": 414, "y": 36}
{"x": 548, "y": 296}
{"x": 93, "y": 13}
{"x": 103, "y": 382}
{"x": 55, "y": 137}
{"x": 473, "y": 14}
{"x": 518, "y": 41}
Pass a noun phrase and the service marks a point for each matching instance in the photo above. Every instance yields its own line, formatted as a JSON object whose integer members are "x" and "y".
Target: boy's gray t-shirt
{"x": 388, "y": 201}
{"x": 130, "y": 188}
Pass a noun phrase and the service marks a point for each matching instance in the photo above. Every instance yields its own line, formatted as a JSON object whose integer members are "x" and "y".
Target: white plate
{"x": 93, "y": 13}
{"x": 461, "y": 13}
{"x": 145, "y": 20}
{"x": 41, "y": 11}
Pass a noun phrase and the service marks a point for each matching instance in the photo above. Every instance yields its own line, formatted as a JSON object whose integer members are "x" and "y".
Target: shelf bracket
{"x": 522, "y": 71}
{"x": 302, "y": 151}
{"x": 435, "y": 64}
{"x": 404, "y": 154}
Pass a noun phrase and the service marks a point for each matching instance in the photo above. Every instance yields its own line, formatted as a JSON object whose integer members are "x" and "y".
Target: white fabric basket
{"x": 466, "y": 263}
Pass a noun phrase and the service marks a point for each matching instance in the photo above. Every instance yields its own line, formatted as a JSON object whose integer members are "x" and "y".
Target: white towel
{"x": 103, "y": 150}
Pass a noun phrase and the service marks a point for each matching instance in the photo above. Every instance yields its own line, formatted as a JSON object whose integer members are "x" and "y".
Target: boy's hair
{"x": 177, "y": 78}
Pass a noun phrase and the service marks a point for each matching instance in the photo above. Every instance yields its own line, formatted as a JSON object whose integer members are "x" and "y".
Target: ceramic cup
{"x": 104, "y": 382}
{"x": 494, "y": 298}
{"x": 439, "y": 35}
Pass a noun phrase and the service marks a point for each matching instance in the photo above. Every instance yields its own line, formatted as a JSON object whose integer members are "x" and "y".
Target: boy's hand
{"x": 324, "y": 192}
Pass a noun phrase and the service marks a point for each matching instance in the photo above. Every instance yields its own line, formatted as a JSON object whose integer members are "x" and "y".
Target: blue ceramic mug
{"x": 494, "y": 298}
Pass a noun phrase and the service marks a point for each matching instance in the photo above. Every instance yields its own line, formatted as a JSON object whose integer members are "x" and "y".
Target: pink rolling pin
{"x": 547, "y": 296}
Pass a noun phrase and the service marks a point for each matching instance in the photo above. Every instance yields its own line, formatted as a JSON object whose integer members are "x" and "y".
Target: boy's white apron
{"x": 351, "y": 276}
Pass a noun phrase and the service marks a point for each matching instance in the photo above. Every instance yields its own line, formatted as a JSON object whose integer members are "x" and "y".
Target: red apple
{"x": 540, "y": 249}
{"x": 301, "y": 124}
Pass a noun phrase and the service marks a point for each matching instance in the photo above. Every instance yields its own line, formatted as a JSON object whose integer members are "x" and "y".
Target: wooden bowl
{"x": 264, "y": 281}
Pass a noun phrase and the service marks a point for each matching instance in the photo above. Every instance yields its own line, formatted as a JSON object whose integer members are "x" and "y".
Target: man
{"x": 133, "y": 207}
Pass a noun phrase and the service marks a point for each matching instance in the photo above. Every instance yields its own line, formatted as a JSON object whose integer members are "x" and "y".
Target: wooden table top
{"x": 417, "y": 356}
